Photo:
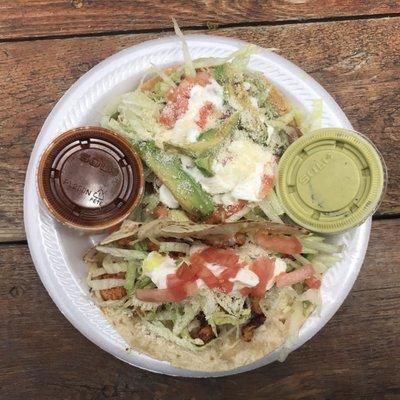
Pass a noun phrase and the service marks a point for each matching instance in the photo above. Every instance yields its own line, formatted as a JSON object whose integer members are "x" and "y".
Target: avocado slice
{"x": 224, "y": 131}
{"x": 168, "y": 168}
{"x": 204, "y": 164}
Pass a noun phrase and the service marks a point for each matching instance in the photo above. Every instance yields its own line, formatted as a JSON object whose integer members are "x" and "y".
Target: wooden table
{"x": 351, "y": 47}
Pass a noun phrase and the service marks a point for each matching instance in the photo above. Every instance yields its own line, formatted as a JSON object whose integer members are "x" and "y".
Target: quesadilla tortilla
{"x": 205, "y": 273}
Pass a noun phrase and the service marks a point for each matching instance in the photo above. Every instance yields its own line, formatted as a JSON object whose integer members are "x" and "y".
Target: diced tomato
{"x": 172, "y": 95}
{"x": 185, "y": 273}
{"x": 279, "y": 243}
{"x": 225, "y": 286}
{"x": 229, "y": 272}
{"x": 160, "y": 211}
{"x": 168, "y": 115}
{"x": 178, "y": 98}
{"x": 245, "y": 291}
{"x": 182, "y": 277}
{"x": 313, "y": 282}
{"x": 191, "y": 288}
{"x": 296, "y": 276}
{"x": 266, "y": 184}
{"x": 264, "y": 268}
{"x": 181, "y": 105}
{"x": 174, "y": 281}
{"x": 204, "y": 113}
{"x": 222, "y": 213}
{"x": 178, "y": 290}
{"x": 152, "y": 246}
{"x": 162, "y": 295}
{"x": 224, "y": 257}
{"x": 208, "y": 277}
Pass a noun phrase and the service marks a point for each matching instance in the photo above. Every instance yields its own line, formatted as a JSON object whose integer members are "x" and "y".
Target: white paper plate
{"x": 57, "y": 251}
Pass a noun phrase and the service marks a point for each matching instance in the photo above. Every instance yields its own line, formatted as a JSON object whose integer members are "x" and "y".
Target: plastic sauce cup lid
{"x": 90, "y": 178}
{"x": 331, "y": 180}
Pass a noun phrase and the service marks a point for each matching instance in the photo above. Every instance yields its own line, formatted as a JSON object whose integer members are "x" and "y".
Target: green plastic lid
{"x": 331, "y": 180}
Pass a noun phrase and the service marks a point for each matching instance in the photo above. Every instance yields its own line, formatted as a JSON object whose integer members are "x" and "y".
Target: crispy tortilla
{"x": 220, "y": 355}
{"x": 190, "y": 230}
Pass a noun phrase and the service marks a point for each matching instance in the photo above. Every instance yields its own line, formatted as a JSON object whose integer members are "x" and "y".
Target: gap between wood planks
{"x": 211, "y": 27}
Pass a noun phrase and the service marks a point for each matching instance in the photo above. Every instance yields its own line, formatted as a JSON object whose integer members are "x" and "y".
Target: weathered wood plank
{"x": 353, "y": 357}
{"x": 23, "y": 18}
{"x": 357, "y": 61}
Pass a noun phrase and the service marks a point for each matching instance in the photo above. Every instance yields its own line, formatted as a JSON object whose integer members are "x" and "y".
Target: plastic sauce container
{"x": 331, "y": 180}
{"x": 90, "y": 179}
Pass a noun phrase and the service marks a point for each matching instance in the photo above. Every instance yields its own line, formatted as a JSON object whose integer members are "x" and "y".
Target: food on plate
{"x": 175, "y": 296}
{"x": 210, "y": 133}
{"x": 207, "y": 273}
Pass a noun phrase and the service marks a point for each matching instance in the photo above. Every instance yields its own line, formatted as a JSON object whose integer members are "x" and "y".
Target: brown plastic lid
{"x": 90, "y": 178}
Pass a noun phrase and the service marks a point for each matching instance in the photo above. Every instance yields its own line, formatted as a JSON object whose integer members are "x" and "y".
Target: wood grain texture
{"x": 353, "y": 357}
{"x": 356, "y": 61}
{"x": 27, "y": 18}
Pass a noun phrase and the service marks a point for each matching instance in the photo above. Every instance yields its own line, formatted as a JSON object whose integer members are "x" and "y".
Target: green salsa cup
{"x": 331, "y": 180}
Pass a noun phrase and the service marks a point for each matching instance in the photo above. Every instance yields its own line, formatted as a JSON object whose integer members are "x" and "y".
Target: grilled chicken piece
{"x": 115, "y": 293}
{"x": 206, "y": 334}
{"x": 223, "y": 241}
{"x": 255, "y": 305}
{"x": 222, "y": 213}
{"x": 248, "y": 330}
{"x": 124, "y": 242}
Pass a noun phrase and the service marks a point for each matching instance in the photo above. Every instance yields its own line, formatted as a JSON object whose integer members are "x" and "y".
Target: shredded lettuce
{"x": 302, "y": 260}
{"x": 166, "y": 78}
{"x": 189, "y": 67}
{"x": 275, "y": 203}
{"x": 130, "y": 277}
{"x": 166, "y": 247}
{"x": 269, "y": 211}
{"x": 232, "y": 303}
{"x": 123, "y": 253}
{"x": 186, "y": 335}
{"x": 96, "y": 272}
{"x": 159, "y": 329}
{"x": 190, "y": 310}
{"x": 113, "y": 265}
{"x": 142, "y": 305}
{"x": 322, "y": 262}
{"x": 137, "y": 118}
{"x": 314, "y": 243}
{"x": 102, "y": 284}
{"x": 309, "y": 122}
{"x": 239, "y": 59}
